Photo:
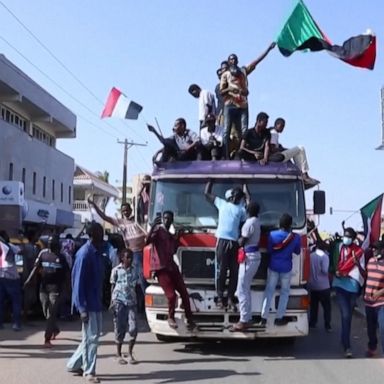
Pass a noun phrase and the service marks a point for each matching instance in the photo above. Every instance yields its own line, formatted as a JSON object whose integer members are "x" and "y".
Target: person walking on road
{"x": 53, "y": 269}
{"x": 319, "y": 287}
{"x": 87, "y": 282}
{"x": 347, "y": 283}
{"x": 374, "y": 299}
{"x": 123, "y": 304}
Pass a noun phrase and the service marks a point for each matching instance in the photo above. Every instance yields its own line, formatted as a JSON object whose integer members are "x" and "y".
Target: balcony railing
{"x": 80, "y": 205}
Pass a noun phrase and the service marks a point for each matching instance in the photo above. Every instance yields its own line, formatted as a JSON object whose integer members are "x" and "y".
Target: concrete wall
{"x": 26, "y": 152}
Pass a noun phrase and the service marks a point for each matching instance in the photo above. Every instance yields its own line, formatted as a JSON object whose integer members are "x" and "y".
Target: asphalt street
{"x": 317, "y": 358}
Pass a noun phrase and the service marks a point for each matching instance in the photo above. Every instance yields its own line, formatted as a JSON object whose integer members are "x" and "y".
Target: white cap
{"x": 228, "y": 194}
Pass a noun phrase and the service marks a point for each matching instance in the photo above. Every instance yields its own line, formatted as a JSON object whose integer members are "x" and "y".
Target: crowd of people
{"x": 223, "y": 131}
{"x": 338, "y": 265}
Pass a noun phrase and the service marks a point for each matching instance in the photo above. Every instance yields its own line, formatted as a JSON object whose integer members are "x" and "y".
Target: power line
{"x": 49, "y": 51}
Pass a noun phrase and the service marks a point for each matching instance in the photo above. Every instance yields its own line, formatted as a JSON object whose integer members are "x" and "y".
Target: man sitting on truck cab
{"x": 297, "y": 154}
{"x": 231, "y": 215}
{"x": 184, "y": 144}
{"x": 211, "y": 139}
{"x": 255, "y": 144}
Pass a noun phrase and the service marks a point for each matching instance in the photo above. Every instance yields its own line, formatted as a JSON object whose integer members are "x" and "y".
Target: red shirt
{"x": 164, "y": 247}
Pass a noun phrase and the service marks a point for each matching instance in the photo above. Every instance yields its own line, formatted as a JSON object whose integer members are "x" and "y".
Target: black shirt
{"x": 255, "y": 141}
{"x": 52, "y": 267}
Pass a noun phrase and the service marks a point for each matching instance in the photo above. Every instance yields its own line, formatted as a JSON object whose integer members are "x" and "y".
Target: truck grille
{"x": 197, "y": 263}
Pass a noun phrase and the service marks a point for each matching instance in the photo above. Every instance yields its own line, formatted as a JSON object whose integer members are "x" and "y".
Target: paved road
{"x": 311, "y": 360}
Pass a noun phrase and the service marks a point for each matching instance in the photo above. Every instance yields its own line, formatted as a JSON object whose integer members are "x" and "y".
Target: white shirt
{"x": 206, "y": 98}
{"x": 217, "y": 134}
{"x": 184, "y": 141}
{"x": 274, "y": 137}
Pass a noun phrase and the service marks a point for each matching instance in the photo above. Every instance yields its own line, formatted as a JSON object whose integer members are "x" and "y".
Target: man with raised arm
{"x": 234, "y": 88}
{"x": 165, "y": 245}
{"x": 133, "y": 235}
{"x": 231, "y": 215}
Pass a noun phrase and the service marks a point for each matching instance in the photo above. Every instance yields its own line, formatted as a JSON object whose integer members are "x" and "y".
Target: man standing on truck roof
{"x": 167, "y": 272}
{"x": 207, "y": 102}
{"x": 234, "y": 88}
{"x": 231, "y": 215}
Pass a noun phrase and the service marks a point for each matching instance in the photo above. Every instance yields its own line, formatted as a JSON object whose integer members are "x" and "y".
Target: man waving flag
{"x": 301, "y": 32}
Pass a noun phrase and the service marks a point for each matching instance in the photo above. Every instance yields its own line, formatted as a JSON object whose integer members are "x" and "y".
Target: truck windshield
{"x": 187, "y": 201}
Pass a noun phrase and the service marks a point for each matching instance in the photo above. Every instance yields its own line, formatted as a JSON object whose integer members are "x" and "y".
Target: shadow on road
{"x": 178, "y": 376}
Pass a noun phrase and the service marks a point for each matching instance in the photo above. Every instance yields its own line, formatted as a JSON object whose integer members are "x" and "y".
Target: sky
{"x": 153, "y": 50}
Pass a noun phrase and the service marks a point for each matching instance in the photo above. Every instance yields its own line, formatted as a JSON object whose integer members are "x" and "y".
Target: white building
{"x": 87, "y": 184}
{"x": 36, "y": 179}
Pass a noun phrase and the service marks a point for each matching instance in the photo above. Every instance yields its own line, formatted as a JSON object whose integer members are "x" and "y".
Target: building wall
{"x": 27, "y": 159}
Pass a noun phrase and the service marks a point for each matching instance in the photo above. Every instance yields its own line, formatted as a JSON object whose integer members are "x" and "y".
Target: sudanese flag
{"x": 301, "y": 32}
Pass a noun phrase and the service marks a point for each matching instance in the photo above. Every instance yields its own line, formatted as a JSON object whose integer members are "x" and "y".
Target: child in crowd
{"x": 123, "y": 303}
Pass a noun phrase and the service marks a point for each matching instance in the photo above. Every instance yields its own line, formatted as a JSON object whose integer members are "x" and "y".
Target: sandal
{"x": 238, "y": 327}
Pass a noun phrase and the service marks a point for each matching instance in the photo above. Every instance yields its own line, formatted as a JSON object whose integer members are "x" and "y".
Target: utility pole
{"x": 127, "y": 145}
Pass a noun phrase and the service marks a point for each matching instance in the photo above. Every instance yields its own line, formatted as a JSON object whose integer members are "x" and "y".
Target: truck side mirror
{"x": 319, "y": 202}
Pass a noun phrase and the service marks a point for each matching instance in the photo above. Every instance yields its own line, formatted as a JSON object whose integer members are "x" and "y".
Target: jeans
{"x": 124, "y": 317}
{"x": 323, "y": 297}
{"x": 346, "y": 301}
{"x": 247, "y": 271}
{"x": 375, "y": 318}
{"x": 138, "y": 267}
{"x": 285, "y": 285}
{"x": 226, "y": 258}
{"x": 238, "y": 117}
{"x": 50, "y": 302}
{"x": 86, "y": 353}
{"x": 12, "y": 289}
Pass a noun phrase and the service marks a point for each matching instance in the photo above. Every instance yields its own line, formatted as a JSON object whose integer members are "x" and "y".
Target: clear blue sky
{"x": 153, "y": 50}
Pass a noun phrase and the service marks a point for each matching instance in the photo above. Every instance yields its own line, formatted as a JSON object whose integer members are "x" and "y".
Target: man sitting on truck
{"x": 167, "y": 272}
{"x": 297, "y": 154}
{"x": 211, "y": 139}
{"x": 255, "y": 144}
{"x": 231, "y": 215}
{"x": 183, "y": 145}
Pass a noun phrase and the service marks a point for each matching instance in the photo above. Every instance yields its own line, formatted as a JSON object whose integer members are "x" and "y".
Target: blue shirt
{"x": 124, "y": 280}
{"x": 87, "y": 279}
{"x": 230, "y": 218}
{"x": 281, "y": 260}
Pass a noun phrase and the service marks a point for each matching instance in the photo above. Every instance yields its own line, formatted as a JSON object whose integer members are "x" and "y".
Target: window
{"x": 44, "y": 186}
{"x": 23, "y": 174}
{"x": 62, "y": 192}
{"x": 10, "y": 171}
{"x": 69, "y": 194}
{"x": 53, "y": 189}
{"x": 34, "y": 183}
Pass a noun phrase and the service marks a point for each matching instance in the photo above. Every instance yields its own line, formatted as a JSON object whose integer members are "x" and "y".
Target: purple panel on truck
{"x": 224, "y": 167}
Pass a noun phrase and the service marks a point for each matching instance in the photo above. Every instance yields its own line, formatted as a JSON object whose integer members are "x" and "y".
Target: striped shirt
{"x": 375, "y": 282}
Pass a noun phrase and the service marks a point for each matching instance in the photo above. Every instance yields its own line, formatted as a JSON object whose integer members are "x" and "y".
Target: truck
{"x": 179, "y": 186}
